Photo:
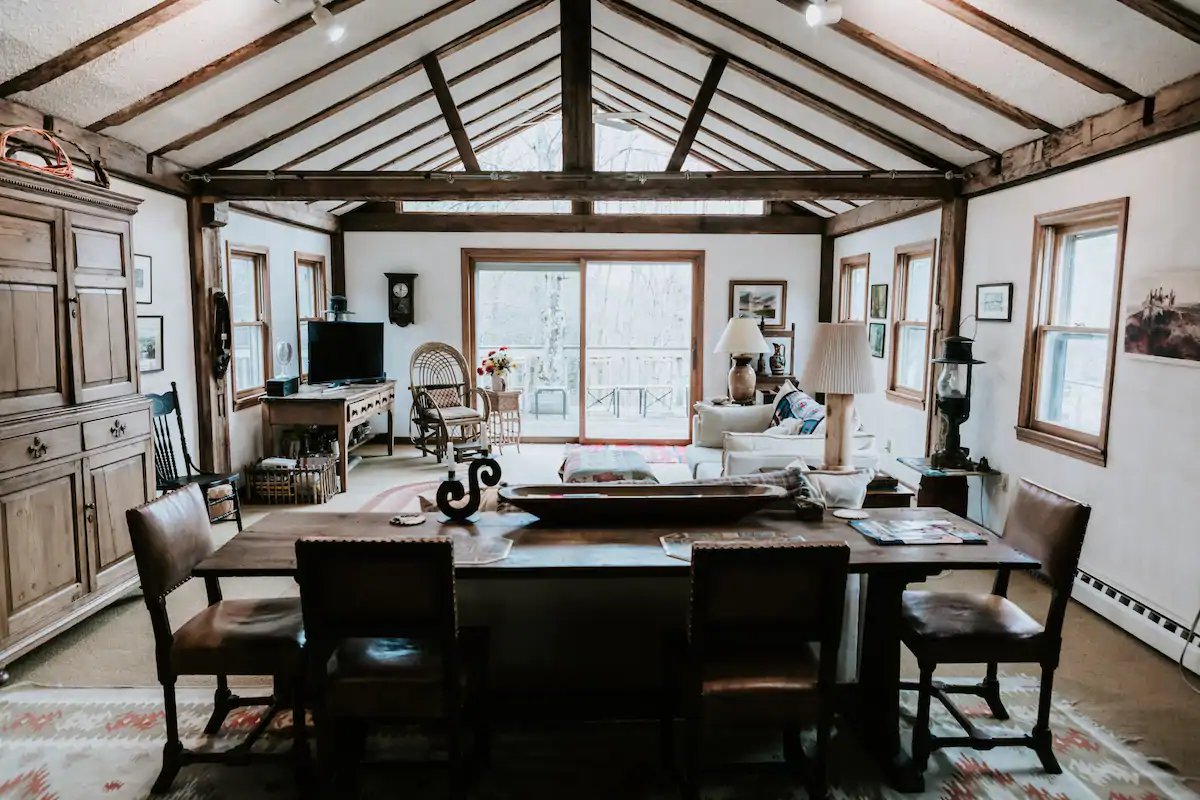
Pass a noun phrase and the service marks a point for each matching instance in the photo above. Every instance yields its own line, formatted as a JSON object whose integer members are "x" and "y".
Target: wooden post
{"x": 205, "y": 221}
{"x": 951, "y": 256}
{"x": 825, "y": 293}
{"x": 337, "y": 262}
{"x": 578, "y": 132}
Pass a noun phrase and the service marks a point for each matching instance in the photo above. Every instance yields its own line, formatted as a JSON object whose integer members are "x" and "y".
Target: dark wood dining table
{"x": 267, "y": 548}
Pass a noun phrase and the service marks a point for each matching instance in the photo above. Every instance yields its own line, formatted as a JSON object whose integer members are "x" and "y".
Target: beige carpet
{"x": 1115, "y": 679}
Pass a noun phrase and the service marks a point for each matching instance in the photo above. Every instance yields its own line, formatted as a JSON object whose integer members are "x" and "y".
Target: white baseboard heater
{"x": 1153, "y": 627}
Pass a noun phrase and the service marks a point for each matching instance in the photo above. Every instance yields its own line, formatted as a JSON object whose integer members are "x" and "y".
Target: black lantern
{"x": 953, "y": 389}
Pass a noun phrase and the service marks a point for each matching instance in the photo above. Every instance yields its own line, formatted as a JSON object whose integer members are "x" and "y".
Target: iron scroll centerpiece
{"x": 485, "y": 470}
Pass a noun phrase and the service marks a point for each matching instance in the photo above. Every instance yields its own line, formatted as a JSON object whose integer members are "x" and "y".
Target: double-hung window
{"x": 1071, "y": 330}
{"x": 852, "y": 292}
{"x": 311, "y": 301}
{"x": 912, "y": 298}
{"x": 249, "y": 310}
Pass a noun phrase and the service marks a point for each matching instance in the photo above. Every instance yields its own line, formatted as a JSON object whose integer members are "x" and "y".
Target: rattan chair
{"x": 442, "y": 410}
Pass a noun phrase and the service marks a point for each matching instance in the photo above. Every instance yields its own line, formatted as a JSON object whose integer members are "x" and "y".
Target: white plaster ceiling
{"x": 1103, "y": 34}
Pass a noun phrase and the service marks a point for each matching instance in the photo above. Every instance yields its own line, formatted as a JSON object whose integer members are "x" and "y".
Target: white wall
{"x": 1143, "y": 535}
{"x": 160, "y": 231}
{"x": 436, "y": 258}
{"x": 903, "y": 426}
{"x": 283, "y": 241}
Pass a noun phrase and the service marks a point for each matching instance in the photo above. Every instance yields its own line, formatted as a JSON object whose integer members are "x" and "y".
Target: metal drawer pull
{"x": 117, "y": 430}
{"x": 37, "y": 449}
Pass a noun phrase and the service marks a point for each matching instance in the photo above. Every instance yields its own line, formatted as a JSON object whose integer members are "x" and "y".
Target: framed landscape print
{"x": 993, "y": 302}
{"x": 764, "y": 300}
{"x": 879, "y": 297}
{"x": 143, "y": 278}
{"x": 1162, "y": 317}
{"x": 150, "y": 344}
{"x": 877, "y": 334}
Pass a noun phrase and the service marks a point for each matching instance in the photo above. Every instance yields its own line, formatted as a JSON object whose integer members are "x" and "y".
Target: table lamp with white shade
{"x": 840, "y": 366}
{"x": 743, "y": 341}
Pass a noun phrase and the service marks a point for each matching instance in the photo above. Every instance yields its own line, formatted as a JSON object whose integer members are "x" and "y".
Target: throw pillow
{"x": 714, "y": 421}
{"x": 841, "y": 489}
{"x": 792, "y": 479}
{"x": 795, "y": 404}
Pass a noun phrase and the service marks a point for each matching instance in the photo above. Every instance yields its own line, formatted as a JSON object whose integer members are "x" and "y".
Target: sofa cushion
{"x": 795, "y": 404}
{"x": 713, "y": 421}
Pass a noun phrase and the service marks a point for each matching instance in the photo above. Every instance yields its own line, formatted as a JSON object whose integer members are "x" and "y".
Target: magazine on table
{"x": 917, "y": 531}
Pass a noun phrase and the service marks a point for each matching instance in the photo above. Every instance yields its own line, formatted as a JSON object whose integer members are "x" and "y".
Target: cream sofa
{"x": 732, "y": 440}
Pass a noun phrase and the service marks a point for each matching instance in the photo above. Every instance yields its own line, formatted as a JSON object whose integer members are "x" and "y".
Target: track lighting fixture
{"x": 822, "y": 12}
{"x": 324, "y": 19}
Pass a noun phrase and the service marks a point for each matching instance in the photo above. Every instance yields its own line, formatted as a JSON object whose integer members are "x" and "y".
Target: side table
{"x": 942, "y": 488}
{"x": 504, "y": 422}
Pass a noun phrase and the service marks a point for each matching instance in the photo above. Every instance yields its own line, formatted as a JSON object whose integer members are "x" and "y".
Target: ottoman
{"x": 608, "y": 465}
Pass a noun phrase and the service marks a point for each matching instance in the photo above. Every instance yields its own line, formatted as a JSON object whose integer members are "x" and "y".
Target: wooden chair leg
{"x": 818, "y": 779}
{"x": 1043, "y": 739}
{"x": 237, "y": 505}
{"x": 455, "y": 763}
{"x": 691, "y": 760}
{"x": 221, "y": 706}
{"x": 300, "y": 749}
{"x": 173, "y": 749}
{"x": 327, "y": 756}
{"x": 921, "y": 735}
{"x": 991, "y": 692}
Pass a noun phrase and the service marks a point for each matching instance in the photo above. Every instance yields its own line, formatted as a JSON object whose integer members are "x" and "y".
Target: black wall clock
{"x": 401, "y": 296}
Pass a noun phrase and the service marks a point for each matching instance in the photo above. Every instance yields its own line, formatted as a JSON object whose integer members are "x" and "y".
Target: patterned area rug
{"x": 653, "y": 453}
{"x": 397, "y": 499}
{"x": 89, "y": 744}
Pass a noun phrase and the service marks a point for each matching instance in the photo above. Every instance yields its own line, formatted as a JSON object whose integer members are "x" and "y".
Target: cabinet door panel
{"x": 97, "y": 250}
{"x": 116, "y": 482}
{"x": 44, "y": 568}
{"x": 33, "y": 352}
{"x": 103, "y": 328}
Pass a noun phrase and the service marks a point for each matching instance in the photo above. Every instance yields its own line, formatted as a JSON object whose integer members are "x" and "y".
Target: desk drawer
{"x": 111, "y": 430}
{"x": 370, "y": 406}
{"x": 21, "y": 451}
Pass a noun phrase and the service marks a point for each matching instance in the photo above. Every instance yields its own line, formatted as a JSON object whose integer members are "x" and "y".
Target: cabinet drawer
{"x": 370, "y": 406}
{"x": 111, "y": 430}
{"x": 21, "y": 451}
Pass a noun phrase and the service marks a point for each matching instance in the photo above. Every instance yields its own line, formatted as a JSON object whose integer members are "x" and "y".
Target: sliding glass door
{"x": 607, "y": 343}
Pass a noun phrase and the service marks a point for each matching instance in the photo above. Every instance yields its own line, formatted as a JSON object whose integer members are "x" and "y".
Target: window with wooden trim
{"x": 852, "y": 294}
{"x": 311, "y": 300}
{"x": 912, "y": 300}
{"x": 250, "y": 313}
{"x": 1070, "y": 337}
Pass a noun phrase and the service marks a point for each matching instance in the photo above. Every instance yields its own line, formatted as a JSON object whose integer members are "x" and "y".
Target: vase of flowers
{"x": 498, "y": 364}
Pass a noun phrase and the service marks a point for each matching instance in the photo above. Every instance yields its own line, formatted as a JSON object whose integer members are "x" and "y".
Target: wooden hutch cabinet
{"x": 75, "y": 445}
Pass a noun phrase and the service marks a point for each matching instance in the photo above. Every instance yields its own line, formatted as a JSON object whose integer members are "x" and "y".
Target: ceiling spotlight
{"x": 822, "y": 12}
{"x": 325, "y": 20}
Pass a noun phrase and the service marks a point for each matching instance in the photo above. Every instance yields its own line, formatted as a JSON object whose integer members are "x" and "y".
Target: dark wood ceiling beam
{"x": 158, "y": 14}
{"x": 880, "y": 212}
{"x": 695, "y": 117}
{"x": 1169, "y": 14}
{"x": 578, "y": 129}
{"x": 266, "y": 185}
{"x": 494, "y": 25}
{"x": 462, "y": 142}
{"x": 393, "y": 141}
{"x": 400, "y": 108}
{"x": 220, "y": 66}
{"x": 762, "y": 113}
{"x": 783, "y": 86}
{"x": 574, "y": 223}
{"x": 932, "y": 72}
{"x": 829, "y": 73}
{"x": 1039, "y": 51}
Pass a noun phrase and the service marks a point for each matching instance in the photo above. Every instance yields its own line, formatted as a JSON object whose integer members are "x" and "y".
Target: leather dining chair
{"x": 384, "y": 646}
{"x": 756, "y": 610}
{"x": 170, "y": 536}
{"x": 963, "y": 628}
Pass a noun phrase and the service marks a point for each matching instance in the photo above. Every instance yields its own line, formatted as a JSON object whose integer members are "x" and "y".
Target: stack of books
{"x": 917, "y": 531}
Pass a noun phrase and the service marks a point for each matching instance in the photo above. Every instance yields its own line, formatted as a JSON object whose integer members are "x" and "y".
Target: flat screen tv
{"x": 345, "y": 351}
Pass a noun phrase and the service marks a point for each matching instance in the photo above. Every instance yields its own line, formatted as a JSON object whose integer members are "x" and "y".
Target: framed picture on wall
{"x": 143, "y": 279}
{"x": 765, "y": 300}
{"x": 150, "y": 344}
{"x": 993, "y": 302}
{"x": 877, "y": 334}
{"x": 879, "y": 297}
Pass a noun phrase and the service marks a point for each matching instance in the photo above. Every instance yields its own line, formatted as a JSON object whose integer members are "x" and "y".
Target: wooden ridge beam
{"x": 576, "y": 223}
{"x": 454, "y": 123}
{"x": 1039, "y": 51}
{"x": 1173, "y": 111}
{"x": 494, "y": 25}
{"x": 400, "y": 108}
{"x": 699, "y": 108}
{"x": 783, "y": 86}
{"x": 158, "y": 14}
{"x": 1169, "y": 14}
{"x": 219, "y": 66}
{"x": 880, "y": 212}
{"x": 859, "y": 88}
{"x": 765, "y": 115}
{"x": 259, "y": 185}
{"x": 933, "y": 72}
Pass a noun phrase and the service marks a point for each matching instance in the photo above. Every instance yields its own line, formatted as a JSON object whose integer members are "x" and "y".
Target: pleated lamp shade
{"x": 840, "y": 361}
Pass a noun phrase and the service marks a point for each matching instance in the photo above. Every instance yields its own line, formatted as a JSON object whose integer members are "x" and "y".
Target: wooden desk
{"x": 342, "y": 408}
{"x": 268, "y": 548}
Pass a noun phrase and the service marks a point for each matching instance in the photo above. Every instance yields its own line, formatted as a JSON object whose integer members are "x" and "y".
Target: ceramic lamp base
{"x": 741, "y": 380}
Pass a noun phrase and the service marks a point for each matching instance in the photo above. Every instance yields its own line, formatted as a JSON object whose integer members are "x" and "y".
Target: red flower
{"x": 489, "y": 370}
{"x": 503, "y": 348}
{"x": 479, "y": 370}
{"x": 493, "y": 352}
